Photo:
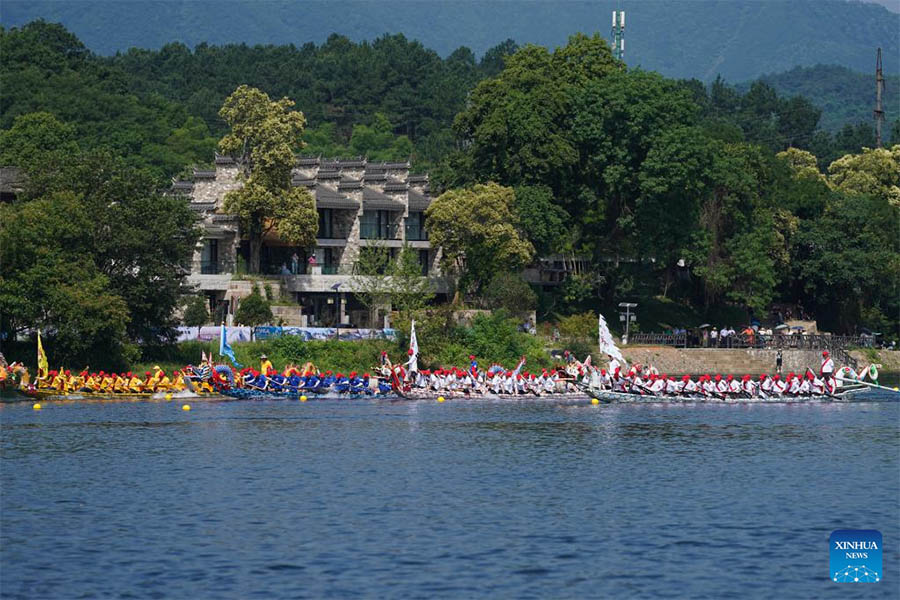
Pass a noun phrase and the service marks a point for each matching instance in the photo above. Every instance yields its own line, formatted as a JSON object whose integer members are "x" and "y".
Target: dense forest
{"x": 846, "y": 97}
{"x": 737, "y": 39}
{"x": 705, "y": 195}
{"x": 391, "y": 98}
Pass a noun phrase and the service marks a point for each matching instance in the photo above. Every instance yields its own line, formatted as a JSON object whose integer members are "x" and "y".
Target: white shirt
{"x": 827, "y": 366}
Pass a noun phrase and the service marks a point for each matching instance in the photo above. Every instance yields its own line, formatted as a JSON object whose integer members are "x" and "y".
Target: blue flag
{"x": 225, "y": 348}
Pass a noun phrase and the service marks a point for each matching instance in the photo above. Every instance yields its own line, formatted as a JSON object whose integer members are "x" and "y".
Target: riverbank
{"x": 745, "y": 360}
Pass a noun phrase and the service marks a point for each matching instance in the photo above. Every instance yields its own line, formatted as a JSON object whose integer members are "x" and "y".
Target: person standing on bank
{"x": 778, "y": 359}
{"x": 826, "y": 372}
{"x": 295, "y": 263}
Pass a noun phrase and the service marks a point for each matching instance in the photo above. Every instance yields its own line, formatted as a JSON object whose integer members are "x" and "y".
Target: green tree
{"x": 410, "y": 290}
{"x": 253, "y": 310}
{"x": 196, "y": 312}
{"x": 264, "y": 136}
{"x": 477, "y": 231}
{"x": 34, "y": 137}
{"x": 545, "y": 223}
{"x": 510, "y": 292}
{"x": 873, "y": 172}
{"x": 137, "y": 238}
{"x": 48, "y": 282}
{"x": 848, "y": 262}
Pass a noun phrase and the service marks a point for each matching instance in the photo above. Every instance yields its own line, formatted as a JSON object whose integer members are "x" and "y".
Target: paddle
{"x": 871, "y": 385}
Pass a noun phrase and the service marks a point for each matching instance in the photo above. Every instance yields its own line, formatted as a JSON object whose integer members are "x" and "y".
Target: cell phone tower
{"x": 879, "y": 91}
{"x": 618, "y": 34}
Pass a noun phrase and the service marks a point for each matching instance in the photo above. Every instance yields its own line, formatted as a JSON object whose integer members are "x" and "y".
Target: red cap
{"x": 824, "y": 352}
{"x": 471, "y": 357}
{"x": 409, "y": 352}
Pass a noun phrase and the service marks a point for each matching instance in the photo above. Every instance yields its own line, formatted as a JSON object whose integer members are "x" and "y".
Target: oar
{"x": 871, "y": 385}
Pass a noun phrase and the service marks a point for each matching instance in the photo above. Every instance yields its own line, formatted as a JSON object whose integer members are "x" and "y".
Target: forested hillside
{"x": 713, "y": 196}
{"x": 391, "y": 98}
{"x": 845, "y": 96}
{"x": 738, "y": 39}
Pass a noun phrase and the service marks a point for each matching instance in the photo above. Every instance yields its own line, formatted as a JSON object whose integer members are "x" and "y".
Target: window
{"x": 415, "y": 227}
{"x": 326, "y": 223}
{"x": 423, "y": 261}
{"x": 209, "y": 257}
{"x": 377, "y": 225}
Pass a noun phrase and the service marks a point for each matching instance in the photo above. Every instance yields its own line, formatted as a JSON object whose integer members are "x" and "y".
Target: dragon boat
{"x": 845, "y": 394}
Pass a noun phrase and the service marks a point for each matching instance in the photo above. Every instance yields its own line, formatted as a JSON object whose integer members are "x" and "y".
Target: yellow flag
{"x": 42, "y": 359}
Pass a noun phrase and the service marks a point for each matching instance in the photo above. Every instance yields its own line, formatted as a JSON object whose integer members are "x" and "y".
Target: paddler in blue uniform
{"x": 276, "y": 381}
{"x": 355, "y": 383}
{"x": 342, "y": 384}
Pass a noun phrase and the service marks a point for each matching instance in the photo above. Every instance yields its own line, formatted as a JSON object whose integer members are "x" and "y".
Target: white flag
{"x": 605, "y": 340}
{"x": 413, "y": 342}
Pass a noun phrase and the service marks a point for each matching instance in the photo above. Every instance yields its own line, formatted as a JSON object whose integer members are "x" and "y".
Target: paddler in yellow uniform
{"x": 42, "y": 382}
{"x": 91, "y": 382}
{"x": 135, "y": 385}
{"x": 265, "y": 364}
{"x": 163, "y": 383}
{"x": 59, "y": 381}
{"x": 120, "y": 383}
{"x": 178, "y": 383}
{"x": 107, "y": 383}
{"x": 76, "y": 382}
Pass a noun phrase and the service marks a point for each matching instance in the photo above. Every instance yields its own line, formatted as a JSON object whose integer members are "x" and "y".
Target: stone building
{"x": 361, "y": 205}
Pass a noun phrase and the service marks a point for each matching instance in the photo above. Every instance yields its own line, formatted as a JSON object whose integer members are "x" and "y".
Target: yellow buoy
{"x": 896, "y": 389}
{"x": 302, "y": 398}
{"x": 168, "y": 396}
{"x": 440, "y": 398}
{"x": 594, "y": 401}
{"x": 36, "y": 406}
{"x": 186, "y": 407}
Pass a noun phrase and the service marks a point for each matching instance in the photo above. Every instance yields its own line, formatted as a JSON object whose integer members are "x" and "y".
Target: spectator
{"x": 723, "y": 336}
{"x": 295, "y": 263}
{"x": 312, "y": 259}
{"x": 713, "y": 337}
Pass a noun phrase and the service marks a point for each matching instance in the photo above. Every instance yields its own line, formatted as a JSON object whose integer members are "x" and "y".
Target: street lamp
{"x": 628, "y": 317}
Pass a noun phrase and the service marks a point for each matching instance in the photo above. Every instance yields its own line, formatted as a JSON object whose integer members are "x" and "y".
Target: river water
{"x": 347, "y": 499}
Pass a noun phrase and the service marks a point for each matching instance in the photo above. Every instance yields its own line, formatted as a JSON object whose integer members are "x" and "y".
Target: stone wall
{"x": 213, "y": 190}
{"x": 702, "y": 360}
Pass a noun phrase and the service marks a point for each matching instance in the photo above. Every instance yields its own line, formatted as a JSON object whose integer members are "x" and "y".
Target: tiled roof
{"x": 374, "y": 199}
{"x": 350, "y": 163}
{"x": 418, "y": 178}
{"x": 326, "y": 198}
{"x": 300, "y": 181}
{"x": 375, "y": 176}
{"x": 390, "y": 165}
{"x": 183, "y": 185}
{"x": 350, "y": 184}
{"x": 306, "y": 161}
{"x": 204, "y": 174}
{"x": 328, "y": 174}
{"x": 221, "y": 159}
{"x": 202, "y": 206}
{"x": 418, "y": 201}
{"x": 395, "y": 185}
